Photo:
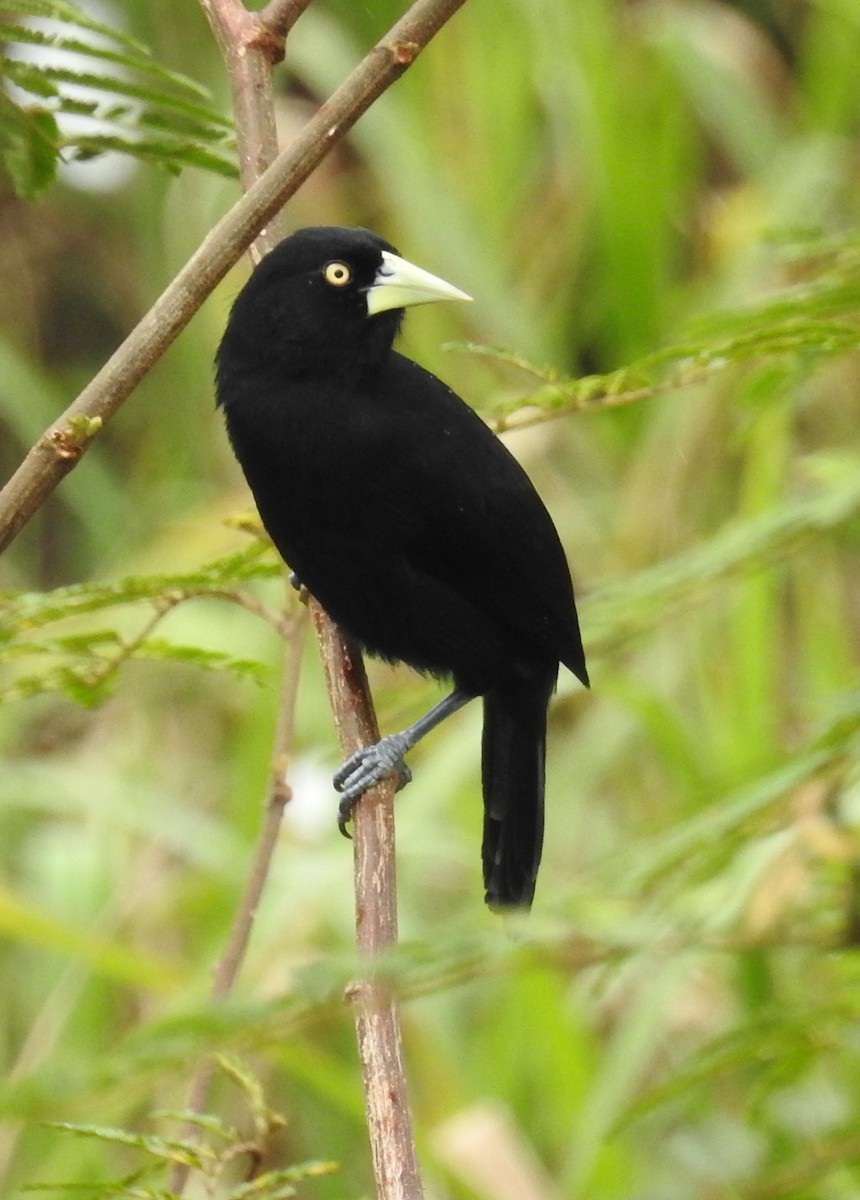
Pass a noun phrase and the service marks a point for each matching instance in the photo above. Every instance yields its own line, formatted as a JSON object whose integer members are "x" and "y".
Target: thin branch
{"x": 281, "y": 622}
{"x": 99, "y": 675}
{"x": 61, "y": 447}
{"x": 377, "y": 1023}
{"x": 279, "y": 793}
{"x": 281, "y": 15}
{"x": 249, "y": 48}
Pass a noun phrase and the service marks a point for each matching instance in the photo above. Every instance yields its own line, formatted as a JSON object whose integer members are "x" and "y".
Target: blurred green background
{"x": 658, "y": 197}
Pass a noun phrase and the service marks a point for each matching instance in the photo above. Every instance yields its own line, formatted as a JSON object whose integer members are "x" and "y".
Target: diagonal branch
{"x": 61, "y": 447}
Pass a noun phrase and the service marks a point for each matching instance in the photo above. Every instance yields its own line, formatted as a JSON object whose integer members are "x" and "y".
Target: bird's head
{"x": 328, "y": 298}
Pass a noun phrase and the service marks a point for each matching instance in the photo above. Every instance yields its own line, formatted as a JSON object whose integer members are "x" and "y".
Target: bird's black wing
{"x": 412, "y": 524}
{"x": 473, "y": 520}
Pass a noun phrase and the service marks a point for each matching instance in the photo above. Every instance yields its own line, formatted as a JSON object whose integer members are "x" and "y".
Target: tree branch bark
{"x": 250, "y": 46}
{"x": 61, "y": 447}
{"x": 281, "y": 15}
{"x": 377, "y": 1022}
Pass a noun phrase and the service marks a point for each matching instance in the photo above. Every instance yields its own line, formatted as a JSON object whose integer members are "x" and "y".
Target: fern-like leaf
{"x": 61, "y": 64}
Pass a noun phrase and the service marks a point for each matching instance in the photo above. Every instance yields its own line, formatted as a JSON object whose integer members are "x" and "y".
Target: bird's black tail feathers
{"x": 512, "y": 763}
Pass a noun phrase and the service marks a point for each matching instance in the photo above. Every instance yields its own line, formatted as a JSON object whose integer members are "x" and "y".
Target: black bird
{"x": 398, "y": 509}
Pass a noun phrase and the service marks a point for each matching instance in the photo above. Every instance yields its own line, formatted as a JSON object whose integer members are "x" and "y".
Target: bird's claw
{"x": 367, "y": 767}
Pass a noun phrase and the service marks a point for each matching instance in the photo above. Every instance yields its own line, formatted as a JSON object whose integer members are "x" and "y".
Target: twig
{"x": 61, "y": 447}
{"x": 99, "y": 675}
{"x": 227, "y": 968}
{"x": 281, "y": 15}
{"x": 250, "y": 46}
{"x": 281, "y": 622}
{"x": 377, "y": 1024}
{"x": 279, "y": 794}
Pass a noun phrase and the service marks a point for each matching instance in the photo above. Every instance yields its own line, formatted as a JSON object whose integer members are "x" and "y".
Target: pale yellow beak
{"x": 399, "y": 284}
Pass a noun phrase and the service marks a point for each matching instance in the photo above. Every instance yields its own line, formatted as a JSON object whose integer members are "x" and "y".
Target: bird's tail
{"x": 512, "y": 762}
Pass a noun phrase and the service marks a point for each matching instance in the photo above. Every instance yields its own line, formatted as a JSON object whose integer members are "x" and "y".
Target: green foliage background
{"x": 655, "y": 206}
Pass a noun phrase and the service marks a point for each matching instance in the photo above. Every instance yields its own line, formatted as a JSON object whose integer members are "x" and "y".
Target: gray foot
{"x": 367, "y": 767}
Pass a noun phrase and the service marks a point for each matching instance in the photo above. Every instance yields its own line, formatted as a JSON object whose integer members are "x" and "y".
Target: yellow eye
{"x": 337, "y": 274}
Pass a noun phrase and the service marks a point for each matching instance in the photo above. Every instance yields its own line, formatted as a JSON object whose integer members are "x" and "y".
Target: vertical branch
{"x": 395, "y": 1160}
{"x": 279, "y": 793}
{"x": 250, "y": 44}
{"x": 377, "y": 1022}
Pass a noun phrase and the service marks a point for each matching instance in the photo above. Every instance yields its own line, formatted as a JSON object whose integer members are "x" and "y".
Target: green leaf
{"x": 24, "y": 612}
{"x": 138, "y": 61}
{"x": 209, "y": 660}
{"x": 32, "y": 138}
{"x": 803, "y": 324}
{"x": 29, "y": 140}
{"x": 128, "y": 1186}
{"x": 38, "y": 78}
{"x": 172, "y": 155}
{"x": 274, "y": 1184}
{"x": 617, "y": 611}
{"x": 170, "y": 1149}
{"x": 24, "y": 923}
{"x": 61, "y": 10}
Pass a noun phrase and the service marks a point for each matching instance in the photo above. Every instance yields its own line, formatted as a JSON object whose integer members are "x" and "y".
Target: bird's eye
{"x": 337, "y": 274}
